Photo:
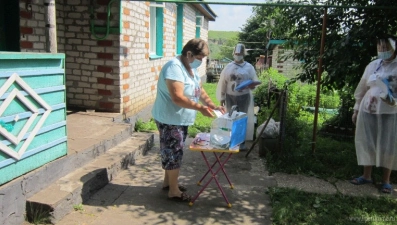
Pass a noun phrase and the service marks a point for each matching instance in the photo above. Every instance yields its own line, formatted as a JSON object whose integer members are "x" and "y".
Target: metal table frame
{"x": 203, "y": 147}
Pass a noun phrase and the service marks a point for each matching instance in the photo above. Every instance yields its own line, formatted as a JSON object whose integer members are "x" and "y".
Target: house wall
{"x": 139, "y": 73}
{"x": 286, "y": 67}
{"x": 92, "y": 59}
{"x": 32, "y": 27}
{"x": 113, "y": 74}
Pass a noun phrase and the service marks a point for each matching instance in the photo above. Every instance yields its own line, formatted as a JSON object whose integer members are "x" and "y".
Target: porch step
{"x": 60, "y": 198}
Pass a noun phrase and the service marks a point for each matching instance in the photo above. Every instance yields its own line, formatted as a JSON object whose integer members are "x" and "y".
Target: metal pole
{"x": 280, "y": 4}
{"x": 51, "y": 29}
{"x": 319, "y": 72}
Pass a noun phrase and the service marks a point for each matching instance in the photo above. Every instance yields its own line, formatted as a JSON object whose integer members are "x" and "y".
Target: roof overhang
{"x": 206, "y": 11}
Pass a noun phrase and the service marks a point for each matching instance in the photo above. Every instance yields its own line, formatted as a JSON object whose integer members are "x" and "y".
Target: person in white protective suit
{"x": 231, "y": 76}
{"x": 375, "y": 115}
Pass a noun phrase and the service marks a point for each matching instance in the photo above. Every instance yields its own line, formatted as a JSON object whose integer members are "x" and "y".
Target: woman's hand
{"x": 354, "y": 117}
{"x": 206, "y": 111}
{"x": 221, "y": 109}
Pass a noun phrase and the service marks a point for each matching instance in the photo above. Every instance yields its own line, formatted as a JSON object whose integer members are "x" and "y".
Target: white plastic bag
{"x": 272, "y": 129}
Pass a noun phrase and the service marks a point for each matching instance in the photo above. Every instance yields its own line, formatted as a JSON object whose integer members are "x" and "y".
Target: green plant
{"x": 300, "y": 96}
{"x": 37, "y": 214}
{"x": 141, "y": 126}
{"x": 345, "y": 111}
{"x": 78, "y": 207}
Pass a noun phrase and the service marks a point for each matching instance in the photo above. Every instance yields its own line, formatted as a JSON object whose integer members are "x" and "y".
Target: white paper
{"x": 218, "y": 113}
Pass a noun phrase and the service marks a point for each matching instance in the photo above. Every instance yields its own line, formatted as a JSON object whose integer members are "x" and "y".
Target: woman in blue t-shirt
{"x": 179, "y": 93}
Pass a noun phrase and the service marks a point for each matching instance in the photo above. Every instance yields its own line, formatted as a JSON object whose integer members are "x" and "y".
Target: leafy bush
{"x": 299, "y": 95}
{"x": 345, "y": 111}
{"x": 141, "y": 126}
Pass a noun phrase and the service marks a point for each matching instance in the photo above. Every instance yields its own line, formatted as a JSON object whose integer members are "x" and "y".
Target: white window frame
{"x": 157, "y": 4}
{"x": 153, "y": 26}
{"x": 201, "y": 20}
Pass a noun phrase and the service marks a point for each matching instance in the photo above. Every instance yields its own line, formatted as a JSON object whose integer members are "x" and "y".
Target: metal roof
{"x": 206, "y": 11}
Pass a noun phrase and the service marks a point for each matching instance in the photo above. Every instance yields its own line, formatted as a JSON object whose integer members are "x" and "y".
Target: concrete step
{"x": 60, "y": 198}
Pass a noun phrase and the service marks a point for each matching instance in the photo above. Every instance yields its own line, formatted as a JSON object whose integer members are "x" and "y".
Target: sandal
{"x": 386, "y": 188}
{"x": 181, "y": 188}
{"x": 360, "y": 180}
{"x": 183, "y": 198}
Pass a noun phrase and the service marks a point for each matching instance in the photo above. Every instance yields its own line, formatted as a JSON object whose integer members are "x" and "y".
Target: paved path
{"x": 135, "y": 195}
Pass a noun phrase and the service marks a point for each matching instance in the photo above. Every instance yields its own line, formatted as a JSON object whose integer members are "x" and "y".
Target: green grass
{"x": 291, "y": 206}
{"x": 217, "y": 35}
{"x": 78, "y": 207}
{"x": 37, "y": 214}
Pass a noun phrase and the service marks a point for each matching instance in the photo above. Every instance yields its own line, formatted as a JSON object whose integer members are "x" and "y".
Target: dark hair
{"x": 197, "y": 46}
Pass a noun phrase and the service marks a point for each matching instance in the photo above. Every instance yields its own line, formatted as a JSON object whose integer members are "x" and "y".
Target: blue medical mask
{"x": 196, "y": 63}
{"x": 385, "y": 55}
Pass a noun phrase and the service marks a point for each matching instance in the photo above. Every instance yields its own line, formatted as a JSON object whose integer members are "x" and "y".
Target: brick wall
{"x": 32, "y": 26}
{"x": 114, "y": 74}
{"x": 189, "y": 31}
{"x": 92, "y": 68}
{"x": 139, "y": 72}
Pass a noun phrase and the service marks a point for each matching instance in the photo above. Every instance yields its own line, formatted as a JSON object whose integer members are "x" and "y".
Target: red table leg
{"x": 213, "y": 177}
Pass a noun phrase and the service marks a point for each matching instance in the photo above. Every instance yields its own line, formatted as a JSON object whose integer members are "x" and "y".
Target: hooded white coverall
{"x": 376, "y": 125}
{"x": 231, "y": 76}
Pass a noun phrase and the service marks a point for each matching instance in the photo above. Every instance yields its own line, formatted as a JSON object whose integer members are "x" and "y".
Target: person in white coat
{"x": 375, "y": 116}
{"x": 231, "y": 76}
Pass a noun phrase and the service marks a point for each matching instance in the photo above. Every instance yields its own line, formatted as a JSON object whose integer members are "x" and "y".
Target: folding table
{"x": 201, "y": 144}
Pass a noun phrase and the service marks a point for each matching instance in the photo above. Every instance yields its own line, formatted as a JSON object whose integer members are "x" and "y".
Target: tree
{"x": 350, "y": 37}
{"x": 260, "y": 28}
{"x": 350, "y": 42}
{"x": 228, "y": 48}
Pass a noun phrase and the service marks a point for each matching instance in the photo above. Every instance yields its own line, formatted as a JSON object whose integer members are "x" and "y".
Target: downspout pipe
{"x": 50, "y": 24}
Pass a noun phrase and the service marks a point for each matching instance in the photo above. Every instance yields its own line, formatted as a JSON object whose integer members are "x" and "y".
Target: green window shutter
{"x": 159, "y": 30}
{"x": 199, "y": 24}
{"x": 197, "y": 32}
{"x": 179, "y": 29}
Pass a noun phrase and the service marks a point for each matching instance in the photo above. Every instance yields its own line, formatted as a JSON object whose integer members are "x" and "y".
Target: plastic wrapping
{"x": 272, "y": 129}
{"x": 227, "y": 131}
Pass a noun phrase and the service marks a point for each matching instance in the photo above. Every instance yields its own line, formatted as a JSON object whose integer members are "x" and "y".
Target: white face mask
{"x": 385, "y": 55}
{"x": 238, "y": 58}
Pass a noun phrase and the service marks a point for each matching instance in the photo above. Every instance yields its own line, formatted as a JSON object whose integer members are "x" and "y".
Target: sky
{"x": 229, "y": 17}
